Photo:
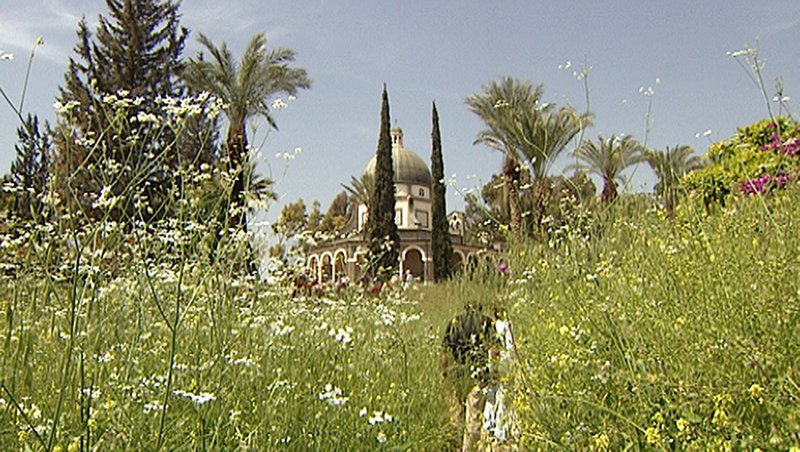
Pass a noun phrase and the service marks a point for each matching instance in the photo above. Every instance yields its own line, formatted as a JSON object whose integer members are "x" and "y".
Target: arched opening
{"x": 458, "y": 262}
{"x": 313, "y": 266}
{"x": 326, "y": 269}
{"x": 413, "y": 263}
{"x": 338, "y": 266}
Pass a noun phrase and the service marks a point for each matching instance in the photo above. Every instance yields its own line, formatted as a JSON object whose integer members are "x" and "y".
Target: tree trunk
{"x": 609, "y": 191}
{"x": 237, "y": 209}
{"x": 669, "y": 204}
{"x": 512, "y": 176}
{"x": 541, "y": 194}
{"x": 237, "y": 155}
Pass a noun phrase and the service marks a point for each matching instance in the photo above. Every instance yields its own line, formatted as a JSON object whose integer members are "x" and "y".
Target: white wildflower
{"x": 65, "y": 108}
{"x": 278, "y": 104}
{"x": 93, "y": 394}
{"x": 742, "y": 52}
{"x": 280, "y": 329}
{"x": 146, "y": 117}
{"x": 106, "y": 199}
{"x": 6, "y": 56}
{"x": 648, "y": 91}
{"x": 153, "y": 406}
{"x": 379, "y": 417}
{"x": 246, "y": 362}
{"x": 706, "y": 133}
{"x": 381, "y": 437}
{"x": 333, "y": 395}
{"x": 200, "y": 399}
{"x": 34, "y": 412}
{"x": 342, "y": 335}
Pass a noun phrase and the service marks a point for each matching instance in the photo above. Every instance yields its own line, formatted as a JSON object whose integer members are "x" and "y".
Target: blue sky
{"x": 445, "y": 51}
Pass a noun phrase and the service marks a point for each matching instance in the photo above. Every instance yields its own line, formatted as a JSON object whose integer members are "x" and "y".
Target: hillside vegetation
{"x": 631, "y": 331}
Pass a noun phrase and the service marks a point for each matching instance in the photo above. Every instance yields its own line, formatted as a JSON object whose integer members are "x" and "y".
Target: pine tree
{"x": 382, "y": 232}
{"x": 441, "y": 246}
{"x": 30, "y": 169}
{"x": 136, "y": 55}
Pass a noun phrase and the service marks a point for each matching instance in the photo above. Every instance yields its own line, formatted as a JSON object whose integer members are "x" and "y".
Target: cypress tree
{"x": 135, "y": 54}
{"x": 440, "y": 229}
{"x": 382, "y": 232}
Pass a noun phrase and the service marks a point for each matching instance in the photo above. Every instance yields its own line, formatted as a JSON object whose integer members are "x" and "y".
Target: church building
{"x": 345, "y": 255}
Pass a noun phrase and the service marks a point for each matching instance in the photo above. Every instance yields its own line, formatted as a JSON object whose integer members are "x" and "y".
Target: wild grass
{"x": 195, "y": 359}
{"x": 666, "y": 335}
{"x": 637, "y": 332}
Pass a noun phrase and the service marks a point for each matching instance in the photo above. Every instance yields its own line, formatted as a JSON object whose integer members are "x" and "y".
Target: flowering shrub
{"x": 779, "y": 146}
{"x": 765, "y": 183}
{"x": 757, "y": 158}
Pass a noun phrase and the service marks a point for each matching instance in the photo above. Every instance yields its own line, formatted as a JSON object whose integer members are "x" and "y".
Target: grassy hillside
{"x": 657, "y": 334}
{"x": 634, "y": 331}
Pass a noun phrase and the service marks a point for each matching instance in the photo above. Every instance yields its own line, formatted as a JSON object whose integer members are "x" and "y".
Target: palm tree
{"x": 670, "y": 166}
{"x": 360, "y": 189}
{"x": 608, "y": 158}
{"x": 525, "y": 131}
{"x": 246, "y": 87}
{"x": 498, "y": 106}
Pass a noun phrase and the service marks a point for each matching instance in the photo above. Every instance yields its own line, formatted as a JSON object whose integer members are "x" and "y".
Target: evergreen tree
{"x": 382, "y": 232}
{"x": 314, "y": 218}
{"x": 136, "y": 55}
{"x": 440, "y": 229}
{"x": 336, "y": 217}
{"x": 30, "y": 169}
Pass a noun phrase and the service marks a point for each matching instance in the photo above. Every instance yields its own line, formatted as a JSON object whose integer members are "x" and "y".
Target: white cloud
{"x": 781, "y": 27}
{"x": 23, "y": 23}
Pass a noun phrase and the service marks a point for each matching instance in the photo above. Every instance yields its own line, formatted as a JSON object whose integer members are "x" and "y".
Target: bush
{"x": 754, "y": 156}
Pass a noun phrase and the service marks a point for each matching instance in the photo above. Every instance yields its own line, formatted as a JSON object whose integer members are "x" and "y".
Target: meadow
{"x": 133, "y": 318}
{"x": 633, "y": 332}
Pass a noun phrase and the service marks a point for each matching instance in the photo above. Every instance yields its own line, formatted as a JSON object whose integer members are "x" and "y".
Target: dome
{"x": 408, "y": 166}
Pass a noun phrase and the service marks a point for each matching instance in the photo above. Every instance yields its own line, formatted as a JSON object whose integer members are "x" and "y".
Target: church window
{"x": 422, "y": 218}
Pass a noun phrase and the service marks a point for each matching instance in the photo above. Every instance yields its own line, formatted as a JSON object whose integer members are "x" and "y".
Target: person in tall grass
{"x": 466, "y": 345}
{"x": 498, "y": 420}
